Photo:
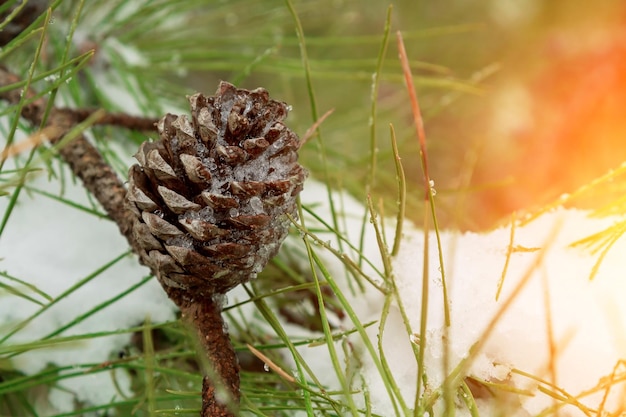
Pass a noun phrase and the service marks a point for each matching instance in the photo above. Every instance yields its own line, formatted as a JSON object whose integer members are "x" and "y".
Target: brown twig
{"x": 28, "y": 12}
{"x": 206, "y": 317}
{"x": 100, "y": 180}
{"x": 117, "y": 119}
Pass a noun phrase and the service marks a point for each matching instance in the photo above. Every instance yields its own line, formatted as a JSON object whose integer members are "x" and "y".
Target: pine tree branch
{"x": 82, "y": 157}
{"x": 116, "y": 119}
{"x": 206, "y": 316}
{"x": 100, "y": 180}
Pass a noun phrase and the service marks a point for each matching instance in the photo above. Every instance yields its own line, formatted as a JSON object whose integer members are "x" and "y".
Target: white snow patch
{"x": 52, "y": 246}
{"x": 587, "y": 317}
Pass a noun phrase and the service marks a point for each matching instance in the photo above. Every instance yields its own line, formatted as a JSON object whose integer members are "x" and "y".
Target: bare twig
{"x": 117, "y": 119}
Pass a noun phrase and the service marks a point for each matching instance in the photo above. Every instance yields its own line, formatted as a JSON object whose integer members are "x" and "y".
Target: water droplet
{"x": 257, "y": 205}
{"x": 266, "y": 367}
{"x": 233, "y": 212}
{"x": 206, "y": 213}
{"x": 231, "y": 19}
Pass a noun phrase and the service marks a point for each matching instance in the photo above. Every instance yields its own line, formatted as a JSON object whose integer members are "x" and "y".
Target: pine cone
{"x": 211, "y": 196}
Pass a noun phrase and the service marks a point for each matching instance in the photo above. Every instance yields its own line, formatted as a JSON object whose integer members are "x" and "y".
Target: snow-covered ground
{"x": 559, "y": 317}
{"x": 560, "y": 326}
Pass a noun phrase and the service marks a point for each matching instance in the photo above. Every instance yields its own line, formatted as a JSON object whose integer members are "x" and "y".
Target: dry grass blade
{"x": 312, "y": 131}
{"x": 281, "y": 372}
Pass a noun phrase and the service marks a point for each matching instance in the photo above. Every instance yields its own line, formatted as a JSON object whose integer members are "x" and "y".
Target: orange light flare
{"x": 575, "y": 128}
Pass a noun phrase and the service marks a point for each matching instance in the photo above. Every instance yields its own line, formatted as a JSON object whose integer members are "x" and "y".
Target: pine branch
{"x": 206, "y": 316}
{"x": 82, "y": 157}
{"x": 99, "y": 179}
{"x": 115, "y": 119}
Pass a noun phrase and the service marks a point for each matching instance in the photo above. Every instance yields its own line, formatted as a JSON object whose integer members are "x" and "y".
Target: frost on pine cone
{"x": 211, "y": 196}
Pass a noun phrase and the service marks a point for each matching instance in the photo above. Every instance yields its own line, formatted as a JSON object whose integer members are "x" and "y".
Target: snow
{"x": 52, "y": 246}
{"x": 585, "y": 345}
{"x": 56, "y": 250}
{"x": 558, "y": 305}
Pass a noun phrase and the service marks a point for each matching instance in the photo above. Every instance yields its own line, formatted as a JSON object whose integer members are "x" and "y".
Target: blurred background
{"x": 523, "y": 101}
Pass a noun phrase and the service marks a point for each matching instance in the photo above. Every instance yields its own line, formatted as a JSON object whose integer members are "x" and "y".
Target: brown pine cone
{"x": 211, "y": 196}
